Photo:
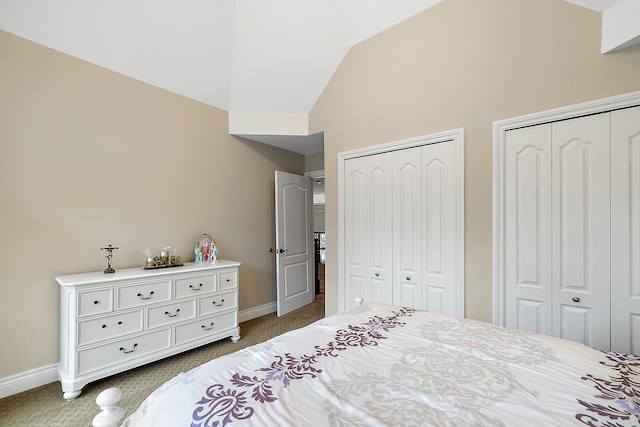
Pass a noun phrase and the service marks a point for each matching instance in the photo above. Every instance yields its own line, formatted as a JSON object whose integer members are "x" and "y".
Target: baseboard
{"x": 27, "y": 380}
{"x": 254, "y": 312}
{"x": 37, "y": 377}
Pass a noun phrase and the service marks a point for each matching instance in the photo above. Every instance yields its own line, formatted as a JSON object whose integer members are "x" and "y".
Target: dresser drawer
{"x": 228, "y": 280}
{"x": 122, "y": 351}
{"x": 107, "y": 327}
{"x": 218, "y": 302}
{"x": 194, "y": 286}
{"x": 171, "y": 313}
{"x": 95, "y": 302}
{"x": 143, "y": 294}
{"x": 205, "y": 327}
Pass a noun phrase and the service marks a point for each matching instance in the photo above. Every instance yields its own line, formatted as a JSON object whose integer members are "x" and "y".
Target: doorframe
{"x": 500, "y": 128}
{"x": 456, "y": 136}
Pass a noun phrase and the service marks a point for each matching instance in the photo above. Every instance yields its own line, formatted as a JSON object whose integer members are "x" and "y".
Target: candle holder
{"x": 162, "y": 260}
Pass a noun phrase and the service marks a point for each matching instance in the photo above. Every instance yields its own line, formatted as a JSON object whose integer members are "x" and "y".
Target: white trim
{"x": 27, "y": 380}
{"x": 455, "y": 135}
{"x": 252, "y": 313}
{"x": 500, "y": 128}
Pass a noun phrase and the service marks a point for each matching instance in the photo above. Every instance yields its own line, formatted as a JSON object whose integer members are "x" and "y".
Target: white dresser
{"x": 113, "y": 322}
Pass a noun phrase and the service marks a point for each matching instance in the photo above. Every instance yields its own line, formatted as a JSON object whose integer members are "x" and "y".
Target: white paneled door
{"x": 294, "y": 242}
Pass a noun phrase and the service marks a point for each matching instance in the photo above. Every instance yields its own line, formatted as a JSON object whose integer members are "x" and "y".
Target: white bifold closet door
{"x": 400, "y": 228}
{"x": 571, "y": 229}
{"x": 625, "y": 230}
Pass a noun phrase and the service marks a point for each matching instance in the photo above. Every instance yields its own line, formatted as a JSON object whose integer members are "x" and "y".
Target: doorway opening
{"x": 319, "y": 236}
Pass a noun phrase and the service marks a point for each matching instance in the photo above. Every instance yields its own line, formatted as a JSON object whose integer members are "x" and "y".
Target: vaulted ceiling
{"x": 244, "y": 56}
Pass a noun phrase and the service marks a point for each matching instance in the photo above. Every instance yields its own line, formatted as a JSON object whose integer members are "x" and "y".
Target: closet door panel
{"x": 528, "y": 230}
{"x": 625, "y": 230}
{"x": 355, "y": 232}
{"x": 368, "y": 257}
{"x": 581, "y": 229}
{"x": 407, "y": 229}
{"x": 379, "y": 231}
{"x": 439, "y": 227}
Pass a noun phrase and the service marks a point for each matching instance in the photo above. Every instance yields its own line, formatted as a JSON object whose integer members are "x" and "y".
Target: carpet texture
{"x": 44, "y": 406}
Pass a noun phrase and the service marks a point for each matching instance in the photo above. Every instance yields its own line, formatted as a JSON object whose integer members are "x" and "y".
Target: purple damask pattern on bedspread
{"x": 622, "y": 390}
{"x": 221, "y": 404}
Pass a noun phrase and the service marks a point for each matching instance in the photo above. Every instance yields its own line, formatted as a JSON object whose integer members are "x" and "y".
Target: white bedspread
{"x": 383, "y": 365}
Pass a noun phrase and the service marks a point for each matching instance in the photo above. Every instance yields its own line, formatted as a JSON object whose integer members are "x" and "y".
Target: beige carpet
{"x": 44, "y": 406}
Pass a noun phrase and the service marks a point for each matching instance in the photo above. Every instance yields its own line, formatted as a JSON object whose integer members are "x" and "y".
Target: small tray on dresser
{"x": 155, "y": 267}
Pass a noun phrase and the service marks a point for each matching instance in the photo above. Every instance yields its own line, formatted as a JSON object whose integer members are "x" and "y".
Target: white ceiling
{"x": 249, "y": 56}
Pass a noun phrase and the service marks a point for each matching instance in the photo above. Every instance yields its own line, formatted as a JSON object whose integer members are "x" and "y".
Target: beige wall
{"x": 89, "y": 157}
{"x": 464, "y": 64}
{"x": 314, "y": 162}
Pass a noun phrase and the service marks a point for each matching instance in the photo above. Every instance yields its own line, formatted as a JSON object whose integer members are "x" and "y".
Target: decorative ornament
{"x": 205, "y": 249}
{"x": 109, "y": 250}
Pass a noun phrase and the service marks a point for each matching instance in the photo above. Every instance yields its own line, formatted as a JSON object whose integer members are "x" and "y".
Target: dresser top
{"x": 139, "y": 273}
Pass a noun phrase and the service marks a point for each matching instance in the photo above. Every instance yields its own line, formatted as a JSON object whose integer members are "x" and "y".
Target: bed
{"x": 385, "y": 365}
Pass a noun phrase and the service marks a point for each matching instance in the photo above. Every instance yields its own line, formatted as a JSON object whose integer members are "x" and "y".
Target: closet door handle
{"x": 408, "y": 277}
{"x": 377, "y": 274}
{"x": 575, "y": 299}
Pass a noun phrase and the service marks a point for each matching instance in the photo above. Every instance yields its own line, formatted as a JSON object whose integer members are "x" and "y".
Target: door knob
{"x": 282, "y": 251}
{"x": 377, "y": 274}
{"x": 408, "y": 277}
{"x": 575, "y": 299}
